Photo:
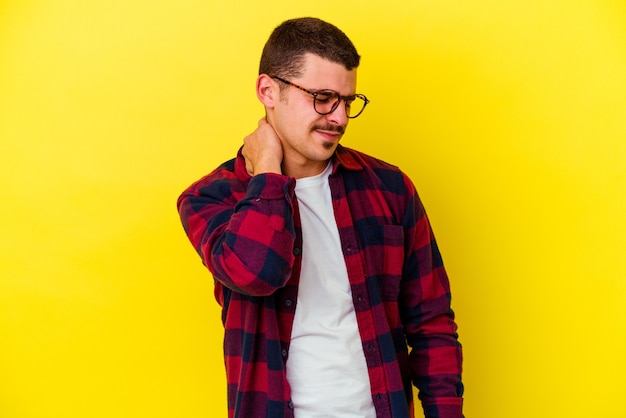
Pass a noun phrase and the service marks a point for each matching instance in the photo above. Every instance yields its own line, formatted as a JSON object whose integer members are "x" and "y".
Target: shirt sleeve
{"x": 243, "y": 231}
{"x": 430, "y": 329}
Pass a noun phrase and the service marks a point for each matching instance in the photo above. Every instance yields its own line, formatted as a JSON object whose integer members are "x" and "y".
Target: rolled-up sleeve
{"x": 242, "y": 230}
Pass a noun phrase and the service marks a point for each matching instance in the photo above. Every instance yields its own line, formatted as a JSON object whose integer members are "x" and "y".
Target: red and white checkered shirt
{"x": 247, "y": 232}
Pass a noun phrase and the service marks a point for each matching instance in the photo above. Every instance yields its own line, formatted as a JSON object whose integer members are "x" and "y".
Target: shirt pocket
{"x": 384, "y": 257}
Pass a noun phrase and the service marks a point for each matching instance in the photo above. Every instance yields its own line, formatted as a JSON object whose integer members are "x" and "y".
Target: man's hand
{"x": 263, "y": 150}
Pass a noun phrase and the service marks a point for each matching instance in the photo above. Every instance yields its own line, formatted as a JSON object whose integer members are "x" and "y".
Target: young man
{"x": 324, "y": 261}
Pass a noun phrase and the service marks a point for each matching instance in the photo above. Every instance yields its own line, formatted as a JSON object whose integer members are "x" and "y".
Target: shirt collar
{"x": 342, "y": 157}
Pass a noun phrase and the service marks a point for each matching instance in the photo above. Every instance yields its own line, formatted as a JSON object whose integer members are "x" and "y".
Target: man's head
{"x": 307, "y": 83}
{"x": 284, "y": 51}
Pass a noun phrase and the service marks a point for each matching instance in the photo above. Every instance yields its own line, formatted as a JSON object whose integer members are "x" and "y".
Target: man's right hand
{"x": 263, "y": 150}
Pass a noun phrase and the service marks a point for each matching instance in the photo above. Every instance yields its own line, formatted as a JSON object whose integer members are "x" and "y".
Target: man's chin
{"x": 330, "y": 146}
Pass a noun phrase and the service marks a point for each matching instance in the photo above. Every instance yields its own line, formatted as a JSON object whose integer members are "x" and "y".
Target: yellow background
{"x": 510, "y": 116}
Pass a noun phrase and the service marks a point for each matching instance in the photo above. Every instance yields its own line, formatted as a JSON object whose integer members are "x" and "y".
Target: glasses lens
{"x": 355, "y": 107}
{"x": 326, "y": 102}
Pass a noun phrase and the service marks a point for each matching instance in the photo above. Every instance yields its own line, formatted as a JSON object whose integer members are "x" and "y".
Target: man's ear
{"x": 267, "y": 90}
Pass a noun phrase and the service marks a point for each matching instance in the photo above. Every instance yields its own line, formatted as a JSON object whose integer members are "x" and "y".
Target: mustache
{"x": 331, "y": 128}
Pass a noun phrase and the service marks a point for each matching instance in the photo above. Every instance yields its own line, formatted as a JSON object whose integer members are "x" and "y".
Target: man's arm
{"x": 435, "y": 357}
{"x": 243, "y": 229}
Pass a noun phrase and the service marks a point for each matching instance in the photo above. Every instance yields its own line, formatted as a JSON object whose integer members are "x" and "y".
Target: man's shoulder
{"x": 374, "y": 172}
{"x": 226, "y": 177}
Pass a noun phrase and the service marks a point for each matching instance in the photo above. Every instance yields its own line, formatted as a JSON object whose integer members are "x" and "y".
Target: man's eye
{"x": 324, "y": 97}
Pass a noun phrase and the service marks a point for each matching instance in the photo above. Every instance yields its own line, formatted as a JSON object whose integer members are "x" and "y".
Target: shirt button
{"x": 297, "y": 251}
{"x": 284, "y": 352}
{"x": 290, "y": 405}
{"x": 288, "y": 302}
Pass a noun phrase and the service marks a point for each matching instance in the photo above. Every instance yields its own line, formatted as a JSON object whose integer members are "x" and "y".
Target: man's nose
{"x": 339, "y": 116}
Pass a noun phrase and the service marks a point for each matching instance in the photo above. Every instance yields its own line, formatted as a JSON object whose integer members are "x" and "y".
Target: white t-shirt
{"x": 326, "y": 368}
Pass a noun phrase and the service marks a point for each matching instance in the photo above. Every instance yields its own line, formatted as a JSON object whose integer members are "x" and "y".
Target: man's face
{"x": 310, "y": 139}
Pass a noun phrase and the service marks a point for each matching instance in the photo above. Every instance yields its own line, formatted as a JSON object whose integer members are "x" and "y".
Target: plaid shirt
{"x": 246, "y": 230}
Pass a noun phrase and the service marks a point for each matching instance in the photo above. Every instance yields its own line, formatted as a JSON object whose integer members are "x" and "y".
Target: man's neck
{"x": 298, "y": 170}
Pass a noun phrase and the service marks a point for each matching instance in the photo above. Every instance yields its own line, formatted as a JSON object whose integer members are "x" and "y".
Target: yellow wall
{"x": 510, "y": 116}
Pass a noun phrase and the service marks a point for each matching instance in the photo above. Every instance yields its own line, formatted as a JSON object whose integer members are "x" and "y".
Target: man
{"x": 323, "y": 258}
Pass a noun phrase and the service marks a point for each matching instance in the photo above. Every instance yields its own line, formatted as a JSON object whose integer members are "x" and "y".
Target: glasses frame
{"x": 328, "y": 91}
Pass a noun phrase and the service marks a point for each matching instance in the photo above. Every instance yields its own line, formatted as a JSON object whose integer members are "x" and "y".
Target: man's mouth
{"x": 336, "y": 129}
{"x": 332, "y": 132}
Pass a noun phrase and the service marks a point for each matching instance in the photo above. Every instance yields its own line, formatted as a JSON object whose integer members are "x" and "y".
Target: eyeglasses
{"x": 327, "y": 101}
